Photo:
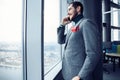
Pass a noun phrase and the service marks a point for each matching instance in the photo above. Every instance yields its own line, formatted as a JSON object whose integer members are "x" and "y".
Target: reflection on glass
{"x": 51, "y": 22}
{"x": 11, "y": 40}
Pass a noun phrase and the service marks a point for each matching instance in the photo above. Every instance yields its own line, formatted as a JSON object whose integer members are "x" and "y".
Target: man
{"x": 82, "y": 59}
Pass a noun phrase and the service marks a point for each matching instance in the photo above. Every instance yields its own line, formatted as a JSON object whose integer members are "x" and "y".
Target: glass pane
{"x": 114, "y": 19}
{"x": 51, "y": 22}
{"x": 11, "y": 40}
{"x": 115, "y": 1}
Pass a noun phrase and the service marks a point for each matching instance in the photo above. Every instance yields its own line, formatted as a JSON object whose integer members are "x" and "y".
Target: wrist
{"x": 62, "y": 25}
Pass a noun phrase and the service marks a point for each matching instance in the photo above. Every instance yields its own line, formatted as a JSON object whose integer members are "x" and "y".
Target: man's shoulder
{"x": 87, "y": 20}
{"x": 83, "y": 21}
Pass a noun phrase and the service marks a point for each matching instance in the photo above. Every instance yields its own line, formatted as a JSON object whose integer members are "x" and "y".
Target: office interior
{"x": 28, "y": 37}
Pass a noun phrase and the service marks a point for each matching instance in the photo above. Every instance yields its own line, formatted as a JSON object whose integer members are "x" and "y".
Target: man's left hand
{"x": 76, "y": 78}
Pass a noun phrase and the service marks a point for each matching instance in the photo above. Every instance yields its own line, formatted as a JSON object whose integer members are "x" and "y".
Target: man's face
{"x": 72, "y": 12}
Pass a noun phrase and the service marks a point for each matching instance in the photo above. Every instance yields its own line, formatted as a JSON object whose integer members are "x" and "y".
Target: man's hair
{"x": 75, "y": 4}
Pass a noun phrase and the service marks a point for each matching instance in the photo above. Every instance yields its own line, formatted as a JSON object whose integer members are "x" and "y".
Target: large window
{"x": 51, "y": 22}
{"x": 11, "y": 40}
{"x": 114, "y": 22}
{"x": 114, "y": 12}
{"x": 115, "y": 1}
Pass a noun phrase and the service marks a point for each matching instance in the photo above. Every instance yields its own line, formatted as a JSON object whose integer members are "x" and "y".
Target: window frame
{"x": 33, "y": 53}
{"x": 33, "y": 57}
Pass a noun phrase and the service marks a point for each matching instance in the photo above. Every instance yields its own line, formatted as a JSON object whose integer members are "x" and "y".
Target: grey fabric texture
{"x": 81, "y": 55}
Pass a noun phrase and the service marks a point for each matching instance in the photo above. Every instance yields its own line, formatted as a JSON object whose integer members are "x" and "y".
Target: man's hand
{"x": 65, "y": 20}
{"x": 76, "y": 78}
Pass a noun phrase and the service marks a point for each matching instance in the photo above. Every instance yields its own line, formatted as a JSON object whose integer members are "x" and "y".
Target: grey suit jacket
{"x": 81, "y": 55}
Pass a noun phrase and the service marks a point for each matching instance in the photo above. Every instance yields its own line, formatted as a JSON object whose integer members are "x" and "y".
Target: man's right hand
{"x": 65, "y": 20}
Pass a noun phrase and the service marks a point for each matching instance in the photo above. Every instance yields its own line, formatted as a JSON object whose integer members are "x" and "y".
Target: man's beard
{"x": 75, "y": 15}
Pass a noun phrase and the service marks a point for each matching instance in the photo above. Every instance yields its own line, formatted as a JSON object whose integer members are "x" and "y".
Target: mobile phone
{"x": 69, "y": 18}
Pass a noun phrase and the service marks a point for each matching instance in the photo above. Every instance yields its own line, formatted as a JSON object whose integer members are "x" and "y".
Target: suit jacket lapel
{"x": 70, "y": 32}
{"x": 67, "y": 37}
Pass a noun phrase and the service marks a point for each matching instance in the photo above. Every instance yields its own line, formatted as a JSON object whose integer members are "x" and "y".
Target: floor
{"x": 112, "y": 75}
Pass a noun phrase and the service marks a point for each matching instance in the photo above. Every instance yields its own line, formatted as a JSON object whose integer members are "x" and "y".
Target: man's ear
{"x": 78, "y": 9}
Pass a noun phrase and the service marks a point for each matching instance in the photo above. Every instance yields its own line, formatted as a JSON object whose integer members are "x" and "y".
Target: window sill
{"x": 52, "y": 73}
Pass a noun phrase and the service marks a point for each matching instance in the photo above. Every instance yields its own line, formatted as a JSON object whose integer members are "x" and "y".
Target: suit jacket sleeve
{"x": 91, "y": 40}
{"x": 60, "y": 33}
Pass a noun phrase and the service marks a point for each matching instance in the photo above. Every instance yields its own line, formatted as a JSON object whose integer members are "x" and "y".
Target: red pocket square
{"x": 75, "y": 29}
